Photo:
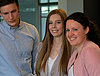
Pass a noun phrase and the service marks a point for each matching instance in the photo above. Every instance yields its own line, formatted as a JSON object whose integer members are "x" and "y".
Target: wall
{"x": 91, "y": 8}
{"x": 71, "y": 6}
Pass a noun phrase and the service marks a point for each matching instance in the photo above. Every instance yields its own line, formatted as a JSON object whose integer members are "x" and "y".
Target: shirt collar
{"x": 10, "y": 28}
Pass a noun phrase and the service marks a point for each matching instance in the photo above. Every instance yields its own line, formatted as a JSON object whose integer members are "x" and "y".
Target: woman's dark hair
{"x": 94, "y": 33}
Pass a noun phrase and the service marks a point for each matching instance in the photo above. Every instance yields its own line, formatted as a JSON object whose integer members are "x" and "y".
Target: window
{"x": 1, "y": 18}
{"x": 47, "y": 1}
{"x": 45, "y": 7}
{"x": 28, "y": 11}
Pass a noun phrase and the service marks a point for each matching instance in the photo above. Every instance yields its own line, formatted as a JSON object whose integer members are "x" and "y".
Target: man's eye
{"x": 13, "y": 11}
{"x": 5, "y": 13}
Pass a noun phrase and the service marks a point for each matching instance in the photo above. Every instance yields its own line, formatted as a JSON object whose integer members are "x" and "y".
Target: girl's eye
{"x": 50, "y": 22}
{"x": 58, "y": 22}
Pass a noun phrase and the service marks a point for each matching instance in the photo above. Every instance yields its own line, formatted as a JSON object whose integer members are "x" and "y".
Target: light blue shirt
{"x": 17, "y": 49}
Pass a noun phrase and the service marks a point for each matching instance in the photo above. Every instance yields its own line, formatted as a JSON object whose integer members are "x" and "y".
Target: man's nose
{"x": 10, "y": 15}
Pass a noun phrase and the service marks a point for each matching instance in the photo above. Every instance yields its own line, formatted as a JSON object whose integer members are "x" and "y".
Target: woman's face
{"x": 75, "y": 33}
{"x": 55, "y": 25}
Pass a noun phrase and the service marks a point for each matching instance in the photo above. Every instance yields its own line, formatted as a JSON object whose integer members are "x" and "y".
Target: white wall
{"x": 71, "y": 6}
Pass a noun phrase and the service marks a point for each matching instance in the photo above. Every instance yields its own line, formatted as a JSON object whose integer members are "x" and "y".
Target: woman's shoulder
{"x": 89, "y": 45}
{"x": 91, "y": 57}
{"x": 91, "y": 50}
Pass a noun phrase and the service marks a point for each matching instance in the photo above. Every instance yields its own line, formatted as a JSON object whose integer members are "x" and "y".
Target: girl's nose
{"x": 54, "y": 24}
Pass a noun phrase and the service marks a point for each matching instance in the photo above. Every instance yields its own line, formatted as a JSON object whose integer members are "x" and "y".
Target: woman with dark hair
{"x": 83, "y": 35}
{"x": 54, "y": 51}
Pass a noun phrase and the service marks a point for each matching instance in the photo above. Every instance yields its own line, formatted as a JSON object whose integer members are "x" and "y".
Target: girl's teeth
{"x": 72, "y": 38}
{"x": 54, "y": 31}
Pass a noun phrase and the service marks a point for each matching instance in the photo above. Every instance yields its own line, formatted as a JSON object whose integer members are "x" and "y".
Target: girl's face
{"x": 75, "y": 33}
{"x": 56, "y": 25}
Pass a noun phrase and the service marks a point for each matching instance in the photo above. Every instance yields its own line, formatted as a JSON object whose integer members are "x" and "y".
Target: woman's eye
{"x": 67, "y": 30}
{"x": 75, "y": 29}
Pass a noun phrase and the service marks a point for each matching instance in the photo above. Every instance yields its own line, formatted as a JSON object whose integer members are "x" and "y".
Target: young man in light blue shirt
{"x": 18, "y": 41}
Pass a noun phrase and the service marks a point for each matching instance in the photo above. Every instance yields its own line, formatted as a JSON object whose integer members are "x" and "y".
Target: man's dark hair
{"x": 6, "y": 2}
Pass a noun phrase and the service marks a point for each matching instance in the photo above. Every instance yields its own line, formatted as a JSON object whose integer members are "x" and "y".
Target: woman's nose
{"x": 70, "y": 33}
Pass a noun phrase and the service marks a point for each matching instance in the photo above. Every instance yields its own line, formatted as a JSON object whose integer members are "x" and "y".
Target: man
{"x": 18, "y": 41}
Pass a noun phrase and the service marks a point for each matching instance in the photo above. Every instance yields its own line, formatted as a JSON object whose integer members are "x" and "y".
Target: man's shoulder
{"x": 1, "y": 23}
{"x": 29, "y": 28}
{"x": 26, "y": 24}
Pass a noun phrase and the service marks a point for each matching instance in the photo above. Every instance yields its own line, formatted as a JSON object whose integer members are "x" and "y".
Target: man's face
{"x": 10, "y": 14}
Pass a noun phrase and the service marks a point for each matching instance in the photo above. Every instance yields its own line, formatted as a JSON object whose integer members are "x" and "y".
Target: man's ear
{"x": 87, "y": 30}
{"x": 18, "y": 9}
{"x": 0, "y": 12}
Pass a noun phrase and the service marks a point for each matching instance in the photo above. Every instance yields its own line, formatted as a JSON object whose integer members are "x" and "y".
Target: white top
{"x": 50, "y": 64}
{"x": 70, "y": 72}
